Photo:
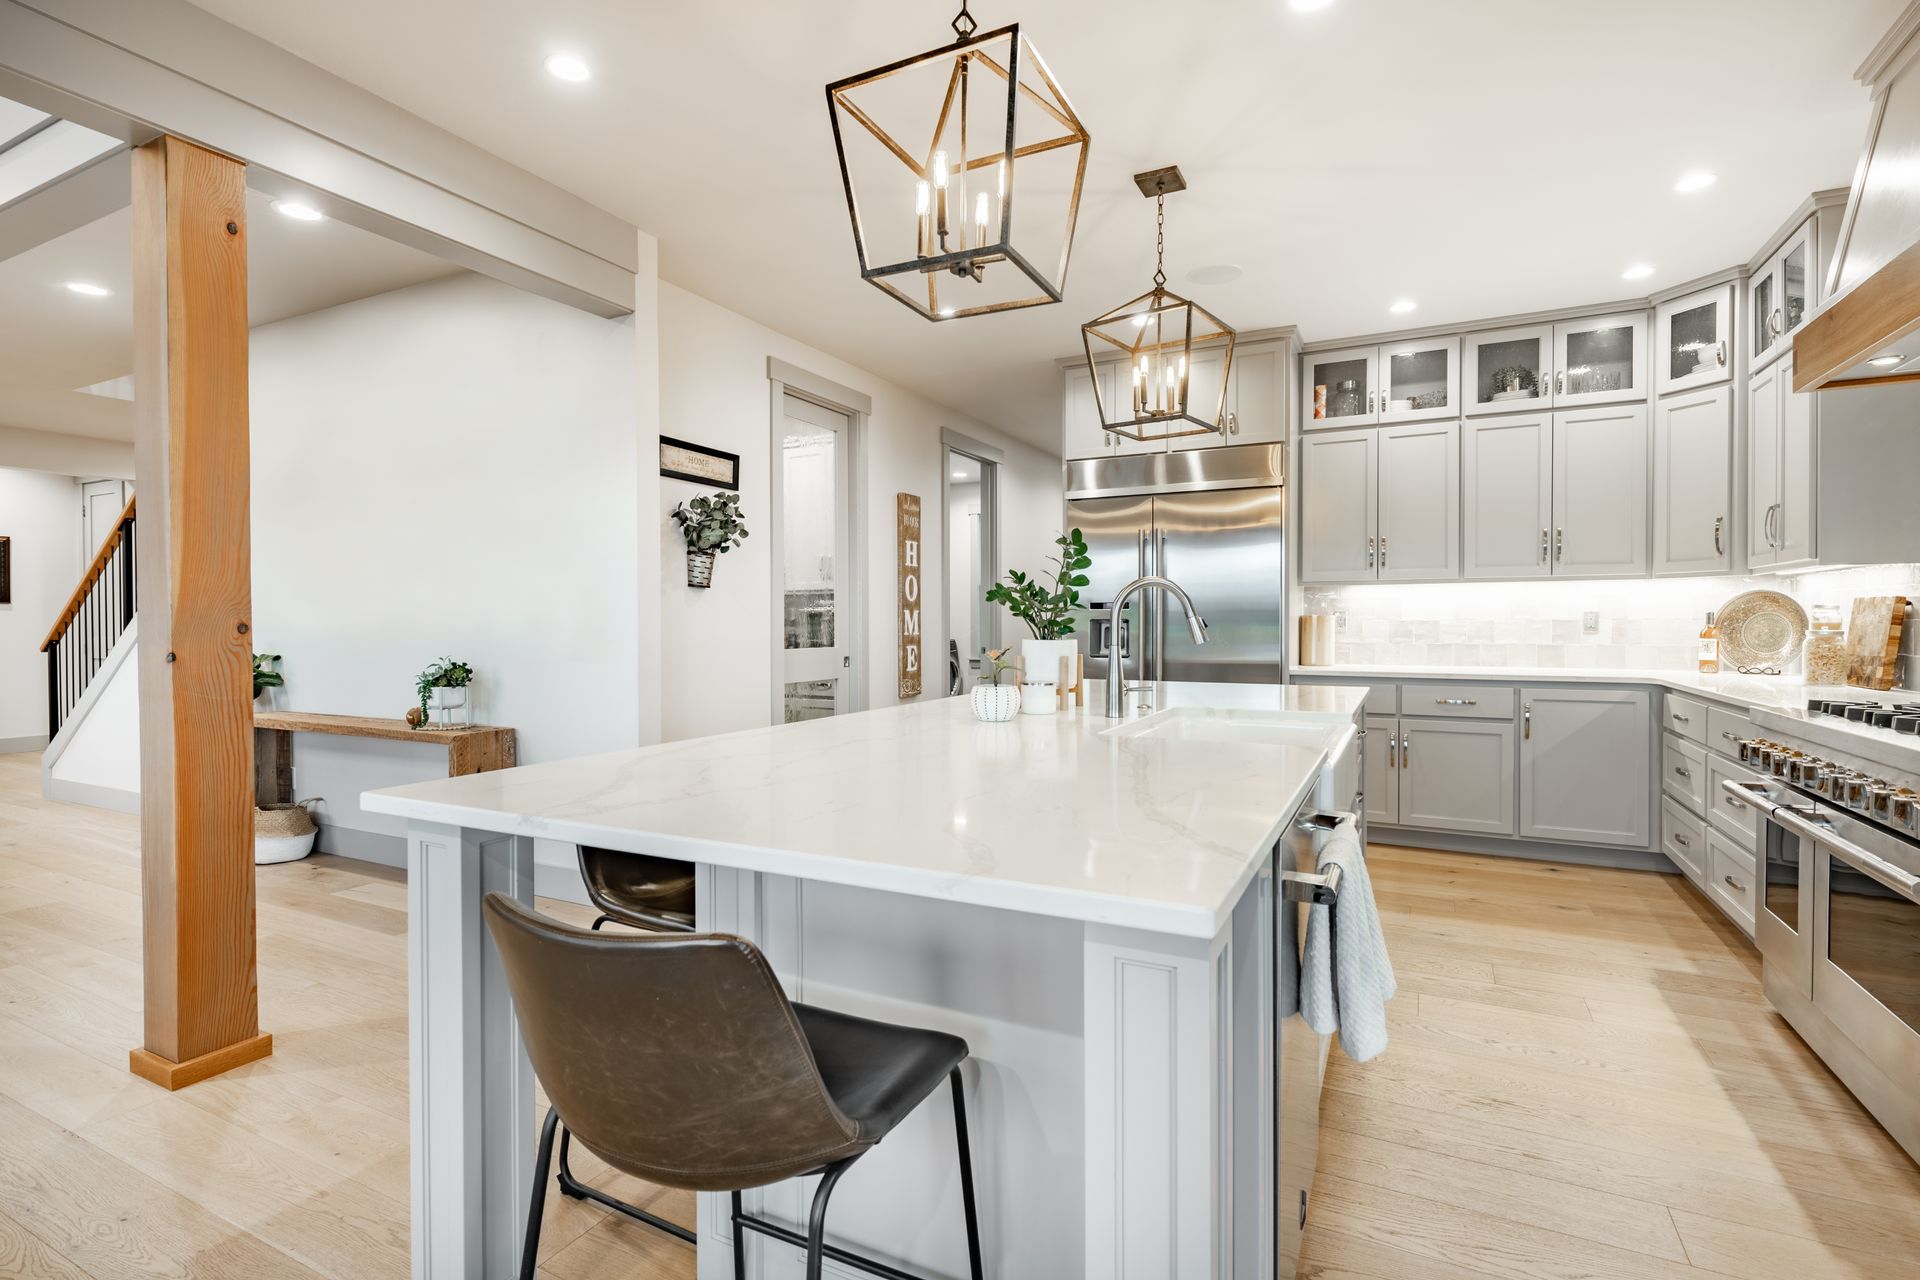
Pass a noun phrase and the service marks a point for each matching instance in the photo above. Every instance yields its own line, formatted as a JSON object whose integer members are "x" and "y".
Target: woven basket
{"x": 278, "y": 821}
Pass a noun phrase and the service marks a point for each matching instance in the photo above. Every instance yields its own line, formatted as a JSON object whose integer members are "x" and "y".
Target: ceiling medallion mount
{"x": 935, "y": 147}
{"x": 1178, "y": 354}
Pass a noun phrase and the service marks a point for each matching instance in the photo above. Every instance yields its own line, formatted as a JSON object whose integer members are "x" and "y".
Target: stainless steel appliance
{"x": 1838, "y": 921}
{"x": 1213, "y": 520}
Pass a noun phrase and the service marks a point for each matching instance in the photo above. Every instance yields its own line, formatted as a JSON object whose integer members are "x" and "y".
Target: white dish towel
{"x": 1345, "y": 976}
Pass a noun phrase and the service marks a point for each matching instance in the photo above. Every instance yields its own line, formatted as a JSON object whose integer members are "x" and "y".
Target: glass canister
{"x": 1826, "y": 646}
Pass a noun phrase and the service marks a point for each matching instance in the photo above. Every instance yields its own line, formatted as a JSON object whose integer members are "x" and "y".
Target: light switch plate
{"x": 1590, "y": 622}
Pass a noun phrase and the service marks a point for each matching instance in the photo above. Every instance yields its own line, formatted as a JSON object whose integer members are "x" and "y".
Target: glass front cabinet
{"x": 1508, "y": 370}
{"x": 1783, "y": 295}
{"x": 1602, "y": 360}
{"x": 1693, "y": 344}
{"x": 1420, "y": 380}
{"x": 1341, "y": 389}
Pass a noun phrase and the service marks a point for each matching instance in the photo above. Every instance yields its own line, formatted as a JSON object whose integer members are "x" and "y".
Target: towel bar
{"x": 1307, "y": 886}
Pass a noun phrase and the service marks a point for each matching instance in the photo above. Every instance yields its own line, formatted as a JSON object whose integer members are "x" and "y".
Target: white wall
{"x": 41, "y": 514}
{"x": 448, "y": 469}
{"x": 717, "y": 654}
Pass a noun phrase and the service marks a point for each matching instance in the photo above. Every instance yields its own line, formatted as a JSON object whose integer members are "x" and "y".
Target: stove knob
{"x": 1880, "y": 799}
{"x": 1905, "y": 809}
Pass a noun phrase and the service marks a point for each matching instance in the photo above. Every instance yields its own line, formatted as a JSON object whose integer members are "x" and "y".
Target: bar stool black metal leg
{"x": 739, "y": 1242}
{"x": 542, "y": 1161}
{"x": 603, "y": 920}
{"x": 966, "y": 1173}
{"x": 569, "y": 1185}
{"x": 817, "y": 1224}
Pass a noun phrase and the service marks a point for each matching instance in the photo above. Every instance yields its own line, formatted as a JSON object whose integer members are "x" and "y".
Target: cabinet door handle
{"x": 1559, "y": 545}
{"x": 1526, "y": 721}
{"x": 1383, "y": 552}
{"x": 1718, "y": 523}
{"x": 1370, "y": 553}
{"x": 1405, "y": 739}
{"x": 1543, "y": 546}
{"x": 1456, "y": 702}
{"x": 1735, "y": 885}
{"x": 1776, "y": 322}
{"x": 1559, "y": 384}
{"x": 1393, "y": 752}
{"x": 1233, "y": 423}
{"x": 1682, "y": 841}
{"x": 1682, "y": 719}
{"x": 1720, "y": 352}
{"x": 1369, "y": 402}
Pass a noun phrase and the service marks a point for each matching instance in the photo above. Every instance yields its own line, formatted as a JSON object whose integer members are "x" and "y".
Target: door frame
{"x": 990, "y": 460}
{"x": 783, "y": 380}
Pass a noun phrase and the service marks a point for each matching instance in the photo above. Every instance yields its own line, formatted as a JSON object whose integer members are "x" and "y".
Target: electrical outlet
{"x": 1590, "y": 622}
{"x": 1340, "y": 620}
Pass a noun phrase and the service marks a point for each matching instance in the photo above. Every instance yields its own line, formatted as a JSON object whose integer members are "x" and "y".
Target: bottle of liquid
{"x": 1709, "y": 648}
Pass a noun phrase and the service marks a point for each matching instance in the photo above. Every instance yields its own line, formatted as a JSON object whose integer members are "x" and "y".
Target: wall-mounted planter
{"x": 700, "y": 568}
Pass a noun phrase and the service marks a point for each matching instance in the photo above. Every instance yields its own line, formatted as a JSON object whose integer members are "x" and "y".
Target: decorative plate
{"x": 1760, "y": 630}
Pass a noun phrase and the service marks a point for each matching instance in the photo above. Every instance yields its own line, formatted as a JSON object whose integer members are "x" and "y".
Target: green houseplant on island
{"x": 994, "y": 702}
{"x": 711, "y": 526}
{"x": 1046, "y": 603}
{"x": 443, "y": 691}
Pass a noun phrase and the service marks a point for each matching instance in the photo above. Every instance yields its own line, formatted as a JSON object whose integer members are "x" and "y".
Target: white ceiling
{"x": 58, "y": 341}
{"x": 1484, "y": 157}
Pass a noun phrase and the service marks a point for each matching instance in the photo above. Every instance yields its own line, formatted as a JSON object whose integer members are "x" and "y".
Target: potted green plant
{"x": 266, "y": 675}
{"x": 1511, "y": 381}
{"x": 443, "y": 690}
{"x": 994, "y": 702}
{"x": 712, "y": 526}
{"x": 1046, "y": 604}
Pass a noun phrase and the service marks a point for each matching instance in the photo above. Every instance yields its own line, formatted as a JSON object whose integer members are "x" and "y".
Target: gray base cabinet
{"x": 1586, "y": 766}
{"x": 1380, "y": 769}
{"x": 1457, "y": 775}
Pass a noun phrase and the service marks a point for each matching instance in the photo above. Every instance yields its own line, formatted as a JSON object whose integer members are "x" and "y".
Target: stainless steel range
{"x": 1838, "y": 922}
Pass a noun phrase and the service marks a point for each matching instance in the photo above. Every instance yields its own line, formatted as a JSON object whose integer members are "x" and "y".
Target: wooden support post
{"x": 195, "y": 608}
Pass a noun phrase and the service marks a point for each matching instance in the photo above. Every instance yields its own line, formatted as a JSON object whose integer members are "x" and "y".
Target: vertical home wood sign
{"x": 907, "y": 549}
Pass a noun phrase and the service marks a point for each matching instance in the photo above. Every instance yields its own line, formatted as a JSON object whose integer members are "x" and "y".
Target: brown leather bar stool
{"x": 638, "y": 889}
{"x": 679, "y": 1059}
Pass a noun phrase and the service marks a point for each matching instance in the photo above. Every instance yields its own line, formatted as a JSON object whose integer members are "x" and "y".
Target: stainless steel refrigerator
{"x": 1214, "y": 521}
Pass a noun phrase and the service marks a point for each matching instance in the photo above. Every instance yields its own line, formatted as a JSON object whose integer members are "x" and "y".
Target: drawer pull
{"x": 1729, "y": 735}
{"x": 1731, "y": 803}
{"x": 1456, "y": 702}
{"x": 1682, "y": 719}
{"x": 1682, "y": 841}
{"x": 1733, "y": 884}
{"x": 1683, "y": 771}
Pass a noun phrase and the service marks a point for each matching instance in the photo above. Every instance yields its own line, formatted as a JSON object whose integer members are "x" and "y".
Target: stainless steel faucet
{"x": 1117, "y": 662}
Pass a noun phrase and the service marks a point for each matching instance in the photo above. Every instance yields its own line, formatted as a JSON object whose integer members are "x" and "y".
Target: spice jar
{"x": 1826, "y": 646}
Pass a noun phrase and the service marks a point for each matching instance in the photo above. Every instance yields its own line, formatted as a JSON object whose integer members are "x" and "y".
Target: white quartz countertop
{"x": 1043, "y": 814}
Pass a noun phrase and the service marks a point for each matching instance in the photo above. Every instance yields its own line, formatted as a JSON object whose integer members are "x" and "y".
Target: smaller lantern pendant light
{"x": 1169, "y": 388}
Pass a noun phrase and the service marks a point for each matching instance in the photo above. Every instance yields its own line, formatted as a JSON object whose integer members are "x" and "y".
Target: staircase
{"x": 93, "y": 704}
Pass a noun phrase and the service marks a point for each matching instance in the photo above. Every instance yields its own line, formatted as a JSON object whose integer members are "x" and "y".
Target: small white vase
{"x": 1040, "y": 659}
{"x": 995, "y": 703}
{"x": 1038, "y": 698}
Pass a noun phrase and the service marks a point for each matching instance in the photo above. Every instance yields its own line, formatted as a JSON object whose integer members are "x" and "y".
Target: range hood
{"x": 1869, "y": 330}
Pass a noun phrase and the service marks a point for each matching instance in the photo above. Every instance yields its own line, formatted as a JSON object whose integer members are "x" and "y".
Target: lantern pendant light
{"x": 1161, "y": 333}
{"x": 932, "y": 150}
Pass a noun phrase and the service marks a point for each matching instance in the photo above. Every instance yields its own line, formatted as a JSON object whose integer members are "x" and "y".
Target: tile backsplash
{"x": 1649, "y": 624}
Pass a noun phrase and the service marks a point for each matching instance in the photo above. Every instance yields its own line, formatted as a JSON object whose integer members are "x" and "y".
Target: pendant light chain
{"x": 1160, "y": 242}
{"x": 963, "y": 23}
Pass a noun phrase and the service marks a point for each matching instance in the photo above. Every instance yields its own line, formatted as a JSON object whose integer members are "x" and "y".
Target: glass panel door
{"x": 1873, "y": 936}
{"x": 813, "y": 560}
{"x": 1796, "y": 280}
{"x": 1418, "y": 380}
{"x": 1508, "y": 370}
{"x": 1692, "y": 346}
{"x": 1766, "y": 312}
{"x": 1600, "y": 361}
{"x": 1340, "y": 389}
{"x": 971, "y": 621}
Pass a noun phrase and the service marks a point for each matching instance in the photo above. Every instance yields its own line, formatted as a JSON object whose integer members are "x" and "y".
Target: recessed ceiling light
{"x": 1638, "y": 271}
{"x": 299, "y": 211}
{"x": 87, "y": 290}
{"x": 564, "y": 66}
{"x": 1403, "y": 306}
{"x": 1215, "y": 273}
{"x": 1886, "y": 362}
{"x": 1695, "y": 180}
{"x": 1309, "y": 6}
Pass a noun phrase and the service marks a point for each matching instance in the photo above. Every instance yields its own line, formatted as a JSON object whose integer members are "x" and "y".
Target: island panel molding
{"x": 907, "y": 554}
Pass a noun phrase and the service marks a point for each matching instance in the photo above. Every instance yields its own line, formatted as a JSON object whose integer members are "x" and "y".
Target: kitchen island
{"x": 1091, "y": 904}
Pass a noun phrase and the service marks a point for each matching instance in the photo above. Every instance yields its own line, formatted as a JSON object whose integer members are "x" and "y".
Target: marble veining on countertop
{"x": 1047, "y": 814}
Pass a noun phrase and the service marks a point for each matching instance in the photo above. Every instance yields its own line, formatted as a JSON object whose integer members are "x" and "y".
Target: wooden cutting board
{"x": 1873, "y": 640}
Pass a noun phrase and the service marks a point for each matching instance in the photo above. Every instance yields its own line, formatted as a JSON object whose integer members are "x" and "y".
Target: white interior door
{"x": 101, "y": 502}
{"x": 814, "y": 533}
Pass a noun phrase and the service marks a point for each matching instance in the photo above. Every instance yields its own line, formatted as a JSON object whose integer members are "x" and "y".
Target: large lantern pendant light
{"x": 1172, "y": 385}
{"x": 932, "y": 151}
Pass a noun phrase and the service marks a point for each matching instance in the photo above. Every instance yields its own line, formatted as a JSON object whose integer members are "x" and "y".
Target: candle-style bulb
{"x": 940, "y": 170}
{"x": 980, "y": 215}
{"x": 922, "y": 199}
{"x": 1003, "y": 179}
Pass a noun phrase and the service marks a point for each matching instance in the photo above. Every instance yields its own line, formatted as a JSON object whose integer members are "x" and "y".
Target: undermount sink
{"x": 1205, "y": 724}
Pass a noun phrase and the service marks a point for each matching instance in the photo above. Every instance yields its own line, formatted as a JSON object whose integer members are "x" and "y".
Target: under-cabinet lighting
{"x": 564, "y": 66}
{"x": 1309, "y": 6}
{"x": 298, "y": 211}
{"x": 1695, "y": 180}
{"x": 1403, "y": 306}
{"x": 1638, "y": 271}
{"x": 1885, "y": 362}
{"x": 87, "y": 289}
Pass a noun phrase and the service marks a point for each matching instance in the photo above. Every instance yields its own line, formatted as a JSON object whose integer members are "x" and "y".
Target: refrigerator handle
{"x": 1160, "y": 604}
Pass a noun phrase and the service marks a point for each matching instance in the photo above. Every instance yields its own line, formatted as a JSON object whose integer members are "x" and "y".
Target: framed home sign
{"x": 684, "y": 460}
{"x": 907, "y": 549}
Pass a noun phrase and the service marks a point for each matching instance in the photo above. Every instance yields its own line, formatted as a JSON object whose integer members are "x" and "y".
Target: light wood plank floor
{"x": 1584, "y": 1082}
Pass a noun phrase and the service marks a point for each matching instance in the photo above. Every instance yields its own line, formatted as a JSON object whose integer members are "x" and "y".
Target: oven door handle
{"x": 1874, "y": 868}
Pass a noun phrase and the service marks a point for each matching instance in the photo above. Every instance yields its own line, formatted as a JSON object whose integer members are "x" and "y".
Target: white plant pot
{"x": 447, "y": 706}
{"x": 1038, "y": 698}
{"x": 1040, "y": 659}
{"x": 995, "y": 703}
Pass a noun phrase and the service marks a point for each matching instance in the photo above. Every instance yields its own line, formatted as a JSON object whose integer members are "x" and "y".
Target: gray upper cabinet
{"x": 1600, "y": 492}
{"x": 1693, "y": 482}
{"x": 1340, "y": 389}
{"x": 1457, "y": 775}
{"x": 1693, "y": 340}
{"x": 1419, "y": 502}
{"x": 1339, "y": 495}
{"x": 1256, "y": 395}
{"x": 1602, "y": 360}
{"x": 1586, "y": 765}
{"x": 1782, "y": 295}
{"x": 1507, "y": 370}
{"x": 1420, "y": 380}
{"x": 1081, "y": 433}
{"x": 1506, "y": 469}
{"x": 1782, "y": 469}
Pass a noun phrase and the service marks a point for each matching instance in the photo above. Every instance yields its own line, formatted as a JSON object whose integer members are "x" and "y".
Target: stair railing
{"x": 97, "y": 613}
